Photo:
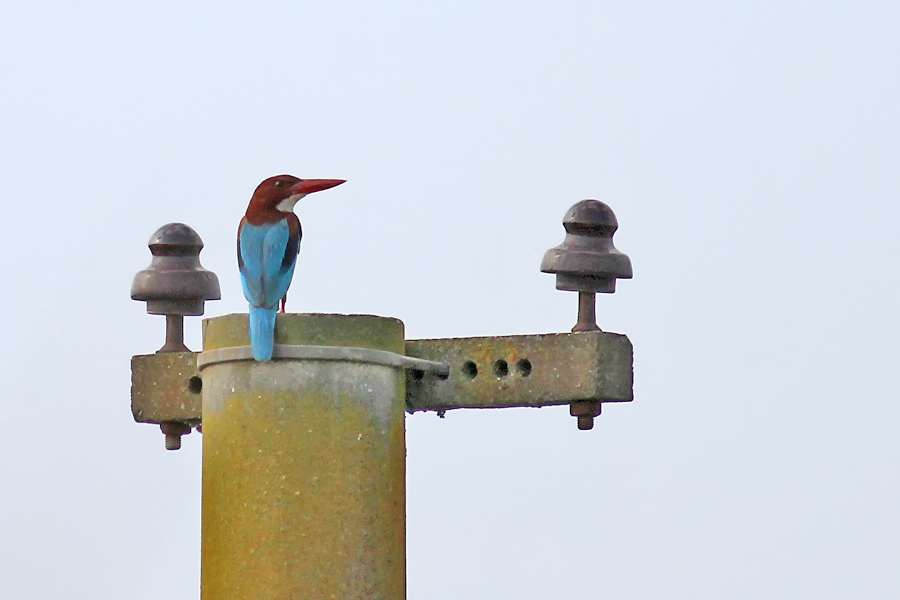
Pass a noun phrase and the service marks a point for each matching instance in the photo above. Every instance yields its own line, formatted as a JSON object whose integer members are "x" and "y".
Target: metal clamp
{"x": 331, "y": 353}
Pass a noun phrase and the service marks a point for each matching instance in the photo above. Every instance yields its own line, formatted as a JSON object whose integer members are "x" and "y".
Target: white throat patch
{"x": 287, "y": 205}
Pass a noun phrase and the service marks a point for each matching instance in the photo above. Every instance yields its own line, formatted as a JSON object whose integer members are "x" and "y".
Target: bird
{"x": 268, "y": 241}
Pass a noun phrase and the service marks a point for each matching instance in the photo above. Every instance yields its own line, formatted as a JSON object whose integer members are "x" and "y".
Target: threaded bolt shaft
{"x": 173, "y": 431}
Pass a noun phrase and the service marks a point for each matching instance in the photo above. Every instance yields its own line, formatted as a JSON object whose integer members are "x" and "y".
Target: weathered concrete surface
{"x": 165, "y": 387}
{"x": 304, "y": 467}
{"x": 564, "y": 367}
{"x": 362, "y": 331}
{"x": 523, "y": 370}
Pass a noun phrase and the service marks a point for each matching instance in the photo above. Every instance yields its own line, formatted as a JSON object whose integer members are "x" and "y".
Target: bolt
{"x": 173, "y": 431}
{"x": 587, "y": 312}
{"x": 585, "y": 411}
{"x": 174, "y": 335}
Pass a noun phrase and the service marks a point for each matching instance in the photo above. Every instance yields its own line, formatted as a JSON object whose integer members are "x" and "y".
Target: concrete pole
{"x": 304, "y": 464}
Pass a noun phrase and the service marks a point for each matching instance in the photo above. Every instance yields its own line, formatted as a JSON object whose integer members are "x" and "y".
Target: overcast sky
{"x": 749, "y": 149}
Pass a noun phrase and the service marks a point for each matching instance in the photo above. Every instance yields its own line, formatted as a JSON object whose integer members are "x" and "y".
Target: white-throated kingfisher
{"x": 267, "y": 246}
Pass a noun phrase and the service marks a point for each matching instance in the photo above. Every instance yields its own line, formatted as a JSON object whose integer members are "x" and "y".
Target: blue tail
{"x": 262, "y": 332}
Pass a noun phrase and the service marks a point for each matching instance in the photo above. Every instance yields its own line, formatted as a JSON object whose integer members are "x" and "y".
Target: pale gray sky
{"x": 749, "y": 149}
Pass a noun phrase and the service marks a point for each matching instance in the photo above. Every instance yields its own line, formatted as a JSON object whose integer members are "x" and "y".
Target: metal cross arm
{"x": 523, "y": 370}
{"x": 484, "y": 372}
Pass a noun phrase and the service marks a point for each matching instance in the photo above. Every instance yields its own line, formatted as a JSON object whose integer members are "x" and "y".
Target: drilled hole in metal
{"x": 470, "y": 369}
{"x": 195, "y": 385}
{"x": 524, "y": 367}
{"x": 501, "y": 368}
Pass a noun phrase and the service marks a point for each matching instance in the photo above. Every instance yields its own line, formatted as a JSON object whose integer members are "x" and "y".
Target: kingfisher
{"x": 268, "y": 241}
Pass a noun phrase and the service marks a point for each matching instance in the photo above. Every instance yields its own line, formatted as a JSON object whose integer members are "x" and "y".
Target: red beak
{"x": 308, "y": 186}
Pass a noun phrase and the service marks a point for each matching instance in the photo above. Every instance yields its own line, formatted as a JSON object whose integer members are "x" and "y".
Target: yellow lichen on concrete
{"x": 303, "y": 481}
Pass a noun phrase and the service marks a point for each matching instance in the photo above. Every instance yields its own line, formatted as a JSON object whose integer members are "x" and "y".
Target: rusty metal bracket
{"x": 328, "y": 353}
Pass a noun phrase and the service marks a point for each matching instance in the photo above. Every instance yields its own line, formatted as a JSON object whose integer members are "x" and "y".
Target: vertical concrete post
{"x": 303, "y": 465}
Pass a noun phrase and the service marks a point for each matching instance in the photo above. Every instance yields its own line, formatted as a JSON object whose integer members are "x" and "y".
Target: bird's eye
{"x": 279, "y": 183}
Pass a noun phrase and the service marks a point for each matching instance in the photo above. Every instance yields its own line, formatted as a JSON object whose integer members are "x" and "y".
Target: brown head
{"x": 276, "y": 196}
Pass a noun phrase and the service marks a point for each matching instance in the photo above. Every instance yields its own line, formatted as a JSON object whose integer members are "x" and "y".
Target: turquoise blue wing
{"x": 261, "y": 256}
